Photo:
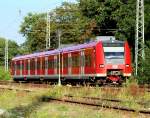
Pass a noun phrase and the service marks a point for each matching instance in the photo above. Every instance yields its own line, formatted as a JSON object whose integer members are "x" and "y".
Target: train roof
{"x": 56, "y": 51}
{"x": 65, "y": 49}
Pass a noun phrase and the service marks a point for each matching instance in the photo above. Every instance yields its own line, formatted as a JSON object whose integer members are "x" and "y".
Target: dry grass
{"x": 64, "y": 110}
{"x": 28, "y": 104}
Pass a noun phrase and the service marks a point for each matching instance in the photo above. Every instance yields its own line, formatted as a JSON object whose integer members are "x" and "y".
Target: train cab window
{"x": 88, "y": 61}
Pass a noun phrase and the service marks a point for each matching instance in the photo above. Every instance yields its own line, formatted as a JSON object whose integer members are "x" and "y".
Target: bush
{"x": 144, "y": 69}
{"x": 4, "y": 75}
{"x": 144, "y": 74}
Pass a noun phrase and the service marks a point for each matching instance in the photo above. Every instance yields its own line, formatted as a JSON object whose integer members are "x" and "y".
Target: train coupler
{"x": 114, "y": 78}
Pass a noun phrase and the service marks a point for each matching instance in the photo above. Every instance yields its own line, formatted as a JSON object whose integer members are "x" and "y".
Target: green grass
{"x": 59, "y": 110}
{"x": 29, "y": 104}
{"x": 130, "y": 94}
{"x": 4, "y": 75}
{"x": 62, "y": 110}
{"x": 19, "y": 103}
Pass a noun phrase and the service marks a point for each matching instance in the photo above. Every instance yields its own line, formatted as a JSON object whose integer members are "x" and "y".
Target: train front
{"x": 115, "y": 62}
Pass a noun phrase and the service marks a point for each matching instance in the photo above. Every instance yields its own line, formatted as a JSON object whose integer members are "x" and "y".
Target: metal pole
{"x": 59, "y": 35}
{"x": 6, "y": 55}
{"x": 48, "y": 32}
{"x": 136, "y": 37}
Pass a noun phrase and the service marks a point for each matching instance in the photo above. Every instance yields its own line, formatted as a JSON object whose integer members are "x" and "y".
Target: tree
{"x": 115, "y": 17}
{"x": 33, "y": 28}
{"x": 67, "y": 18}
{"x": 13, "y": 50}
{"x": 118, "y": 17}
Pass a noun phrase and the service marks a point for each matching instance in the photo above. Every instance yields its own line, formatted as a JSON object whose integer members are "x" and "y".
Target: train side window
{"x": 88, "y": 60}
{"x": 51, "y": 64}
{"x": 15, "y": 65}
{"x": 22, "y": 67}
{"x": 32, "y": 64}
{"x": 43, "y": 64}
{"x": 38, "y": 64}
{"x": 18, "y": 65}
{"x": 75, "y": 61}
{"x": 65, "y": 62}
{"x": 46, "y": 64}
{"x": 27, "y": 65}
{"x": 57, "y": 61}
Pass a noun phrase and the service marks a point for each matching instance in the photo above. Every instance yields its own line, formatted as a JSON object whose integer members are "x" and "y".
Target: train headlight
{"x": 101, "y": 65}
{"x": 127, "y": 65}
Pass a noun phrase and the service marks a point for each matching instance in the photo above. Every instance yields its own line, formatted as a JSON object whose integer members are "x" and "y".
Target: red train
{"x": 104, "y": 60}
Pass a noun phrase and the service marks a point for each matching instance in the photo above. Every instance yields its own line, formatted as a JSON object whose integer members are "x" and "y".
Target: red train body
{"x": 99, "y": 61}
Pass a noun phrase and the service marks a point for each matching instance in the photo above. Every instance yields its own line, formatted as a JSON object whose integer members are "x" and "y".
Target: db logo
{"x": 115, "y": 66}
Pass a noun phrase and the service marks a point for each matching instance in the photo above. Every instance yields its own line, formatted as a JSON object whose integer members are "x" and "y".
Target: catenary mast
{"x": 139, "y": 37}
{"x": 48, "y": 34}
{"x": 6, "y": 55}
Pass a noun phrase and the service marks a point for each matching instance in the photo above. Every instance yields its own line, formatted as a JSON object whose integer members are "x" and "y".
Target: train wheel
{"x": 99, "y": 82}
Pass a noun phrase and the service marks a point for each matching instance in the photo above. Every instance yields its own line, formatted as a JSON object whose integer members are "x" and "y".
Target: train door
{"x": 58, "y": 61}
{"x": 26, "y": 67}
{"x": 35, "y": 66}
{"x": 55, "y": 65}
{"x": 13, "y": 68}
{"x": 38, "y": 66}
{"x": 65, "y": 64}
{"x": 42, "y": 72}
{"x": 82, "y": 58}
{"x": 23, "y": 67}
{"x": 18, "y": 67}
{"x": 75, "y": 63}
{"x": 51, "y": 69}
{"x": 32, "y": 66}
{"x": 89, "y": 61}
{"x": 69, "y": 64}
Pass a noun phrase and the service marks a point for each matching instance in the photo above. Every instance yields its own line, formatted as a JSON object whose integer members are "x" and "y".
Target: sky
{"x": 12, "y": 13}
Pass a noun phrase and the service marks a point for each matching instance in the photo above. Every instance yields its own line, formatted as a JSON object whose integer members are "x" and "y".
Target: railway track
{"x": 110, "y": 100}
{"x": 89, "y": 101}
{"x": 93, "y": 103}
{"x": 115, "y": 88}
{"x": 16, "y": 89}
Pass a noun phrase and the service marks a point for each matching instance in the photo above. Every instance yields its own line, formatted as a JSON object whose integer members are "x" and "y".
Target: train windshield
{"x": 114, "y": 53}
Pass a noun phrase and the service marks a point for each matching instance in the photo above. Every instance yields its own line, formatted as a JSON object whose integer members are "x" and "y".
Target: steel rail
{"x": 48, "y": 99}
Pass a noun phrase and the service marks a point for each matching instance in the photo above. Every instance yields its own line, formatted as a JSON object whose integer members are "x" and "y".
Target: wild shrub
{"x": 4, "y": 75}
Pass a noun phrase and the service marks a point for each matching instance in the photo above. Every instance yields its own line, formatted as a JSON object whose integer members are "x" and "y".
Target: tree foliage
{"x": 33, "y": 28}
{"x": 87, "y": 18}
{"x": 13, "y": 50}
{"x": 67, "y": 18}
{"x": 115, "y": 17}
